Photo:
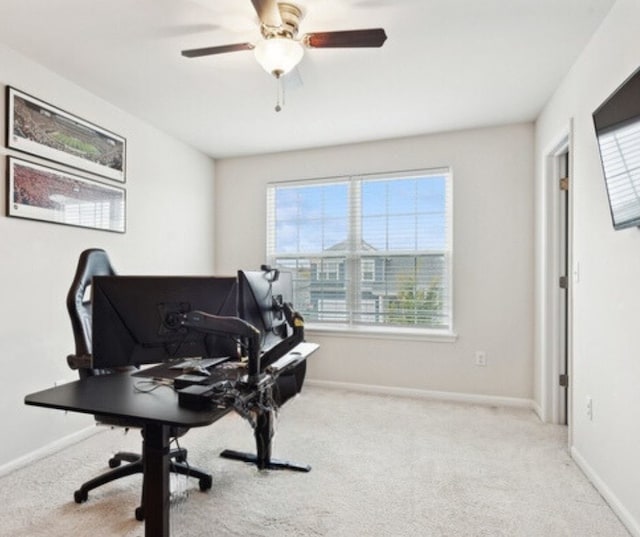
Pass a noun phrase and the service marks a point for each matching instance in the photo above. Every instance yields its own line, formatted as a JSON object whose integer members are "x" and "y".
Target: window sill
{"x": 369, "y": 332}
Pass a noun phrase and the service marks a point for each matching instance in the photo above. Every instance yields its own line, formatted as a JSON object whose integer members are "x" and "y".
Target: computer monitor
{"x": 262, "y": 297}
{"x": 131, "y": 318}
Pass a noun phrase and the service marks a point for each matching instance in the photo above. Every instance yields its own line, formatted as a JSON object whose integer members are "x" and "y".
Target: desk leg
{"x": 263, "y": 434}
{"x": 155, "y": 494}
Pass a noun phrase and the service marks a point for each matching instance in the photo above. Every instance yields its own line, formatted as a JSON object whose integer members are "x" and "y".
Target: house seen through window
{"x": 369, "y": 250}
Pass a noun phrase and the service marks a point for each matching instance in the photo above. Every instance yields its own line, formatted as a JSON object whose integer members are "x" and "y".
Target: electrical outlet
{"x": 589, "y": 408}
{"x": 481, "y": 358}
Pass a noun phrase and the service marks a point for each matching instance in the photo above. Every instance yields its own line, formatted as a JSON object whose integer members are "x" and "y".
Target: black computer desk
{"x": 157, "y": 411}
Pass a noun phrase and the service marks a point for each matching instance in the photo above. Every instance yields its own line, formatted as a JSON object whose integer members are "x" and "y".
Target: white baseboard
{"x": 632, "y": 525}
{"x": 47, "y": 450}
{"x": 538, "y": 410}
{"x": 487, "y": 400}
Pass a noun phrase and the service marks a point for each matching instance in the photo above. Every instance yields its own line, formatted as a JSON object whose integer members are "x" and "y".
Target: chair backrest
{"x": 92, "y": 262}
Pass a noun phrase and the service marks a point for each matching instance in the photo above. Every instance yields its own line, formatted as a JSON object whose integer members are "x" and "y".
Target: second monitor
{"x": 264, "y": 300}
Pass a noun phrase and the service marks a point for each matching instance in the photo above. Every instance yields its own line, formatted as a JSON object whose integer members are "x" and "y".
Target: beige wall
{"x": 493, "y": 257}
{"x": 606, "y": 296}
{"x": 169, "y": 230}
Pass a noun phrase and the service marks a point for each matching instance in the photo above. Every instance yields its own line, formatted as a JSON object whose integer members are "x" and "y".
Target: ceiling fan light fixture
{"x": 278, "y": 55}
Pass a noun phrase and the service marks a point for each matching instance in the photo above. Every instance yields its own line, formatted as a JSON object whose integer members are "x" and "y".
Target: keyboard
{"x": 204, "y": 363}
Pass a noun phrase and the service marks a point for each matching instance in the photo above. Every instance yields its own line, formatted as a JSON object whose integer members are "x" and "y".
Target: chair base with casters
{"x": 135, "y": 465}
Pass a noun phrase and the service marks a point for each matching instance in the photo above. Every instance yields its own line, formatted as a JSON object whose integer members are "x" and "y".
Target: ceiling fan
{"x": 280, "y": 49}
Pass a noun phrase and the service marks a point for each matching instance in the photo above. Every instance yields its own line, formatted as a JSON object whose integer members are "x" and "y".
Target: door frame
{"x": 552, "y": 338}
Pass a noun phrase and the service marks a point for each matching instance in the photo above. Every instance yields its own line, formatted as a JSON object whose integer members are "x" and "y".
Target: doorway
{"x": 553, "y": 335}
{"x": 564, "y": 281}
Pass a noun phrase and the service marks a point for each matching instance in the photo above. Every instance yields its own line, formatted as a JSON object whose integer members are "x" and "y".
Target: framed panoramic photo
{"x": 38, "y": 192}
{"x": 40, "y": 129}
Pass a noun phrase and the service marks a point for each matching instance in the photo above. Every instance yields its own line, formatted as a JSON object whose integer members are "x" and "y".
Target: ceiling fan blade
{"x": 207, "y": 51}
{"x": 268, "y": 12}
{"x": 372, "y": 37}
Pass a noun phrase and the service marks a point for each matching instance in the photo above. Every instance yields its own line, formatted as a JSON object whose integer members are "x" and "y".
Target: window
{"x": 368, "y": 269}
{"x": 328, "y": 270}
{"x": 366, "y": 250}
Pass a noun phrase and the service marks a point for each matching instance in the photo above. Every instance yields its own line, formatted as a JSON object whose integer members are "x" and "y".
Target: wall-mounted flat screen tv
{"x": 617, "y": 124}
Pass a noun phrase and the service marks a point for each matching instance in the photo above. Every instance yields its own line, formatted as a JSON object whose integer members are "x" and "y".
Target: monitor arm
{"x": 225, "y": 326}
{"x": 259, "y": 399}
{"x": 294, "y": 319}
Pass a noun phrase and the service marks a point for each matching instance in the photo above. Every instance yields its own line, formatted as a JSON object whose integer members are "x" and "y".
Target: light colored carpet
{"x": 382, "y": 466}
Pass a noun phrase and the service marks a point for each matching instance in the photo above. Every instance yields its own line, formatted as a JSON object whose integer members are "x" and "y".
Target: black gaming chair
{"x": 95, "y": 262}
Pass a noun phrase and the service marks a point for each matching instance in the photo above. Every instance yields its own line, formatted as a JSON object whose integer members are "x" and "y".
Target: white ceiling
{"x": 447, "y": 64}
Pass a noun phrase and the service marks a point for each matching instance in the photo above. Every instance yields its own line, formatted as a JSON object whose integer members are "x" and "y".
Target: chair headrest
{"x": 92, "y": 262}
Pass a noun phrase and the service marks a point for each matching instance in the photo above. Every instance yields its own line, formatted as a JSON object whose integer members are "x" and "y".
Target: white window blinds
{"x": 619, "y": 149}
{"x": 366, "y": 250}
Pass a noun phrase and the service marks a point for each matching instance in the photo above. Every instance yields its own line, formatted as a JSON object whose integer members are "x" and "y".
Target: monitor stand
{"x": 263, "y": 433}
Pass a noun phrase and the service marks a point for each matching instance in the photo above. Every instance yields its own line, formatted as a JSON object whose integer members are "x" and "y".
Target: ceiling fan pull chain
{"x": 280, "y": 94}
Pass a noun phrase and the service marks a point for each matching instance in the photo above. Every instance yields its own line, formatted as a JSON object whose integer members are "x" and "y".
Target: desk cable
{"x": 151, "y": 384}
{"x": 180, "y": 493}
{"x": 248, "y": 407}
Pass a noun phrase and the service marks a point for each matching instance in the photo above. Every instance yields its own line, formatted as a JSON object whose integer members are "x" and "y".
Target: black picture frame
{"x": 39, "y": 192}
{"x": 43, "y": 130}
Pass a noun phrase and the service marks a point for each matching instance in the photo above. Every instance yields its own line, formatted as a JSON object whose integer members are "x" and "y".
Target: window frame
{"x": 354, "y": 260}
